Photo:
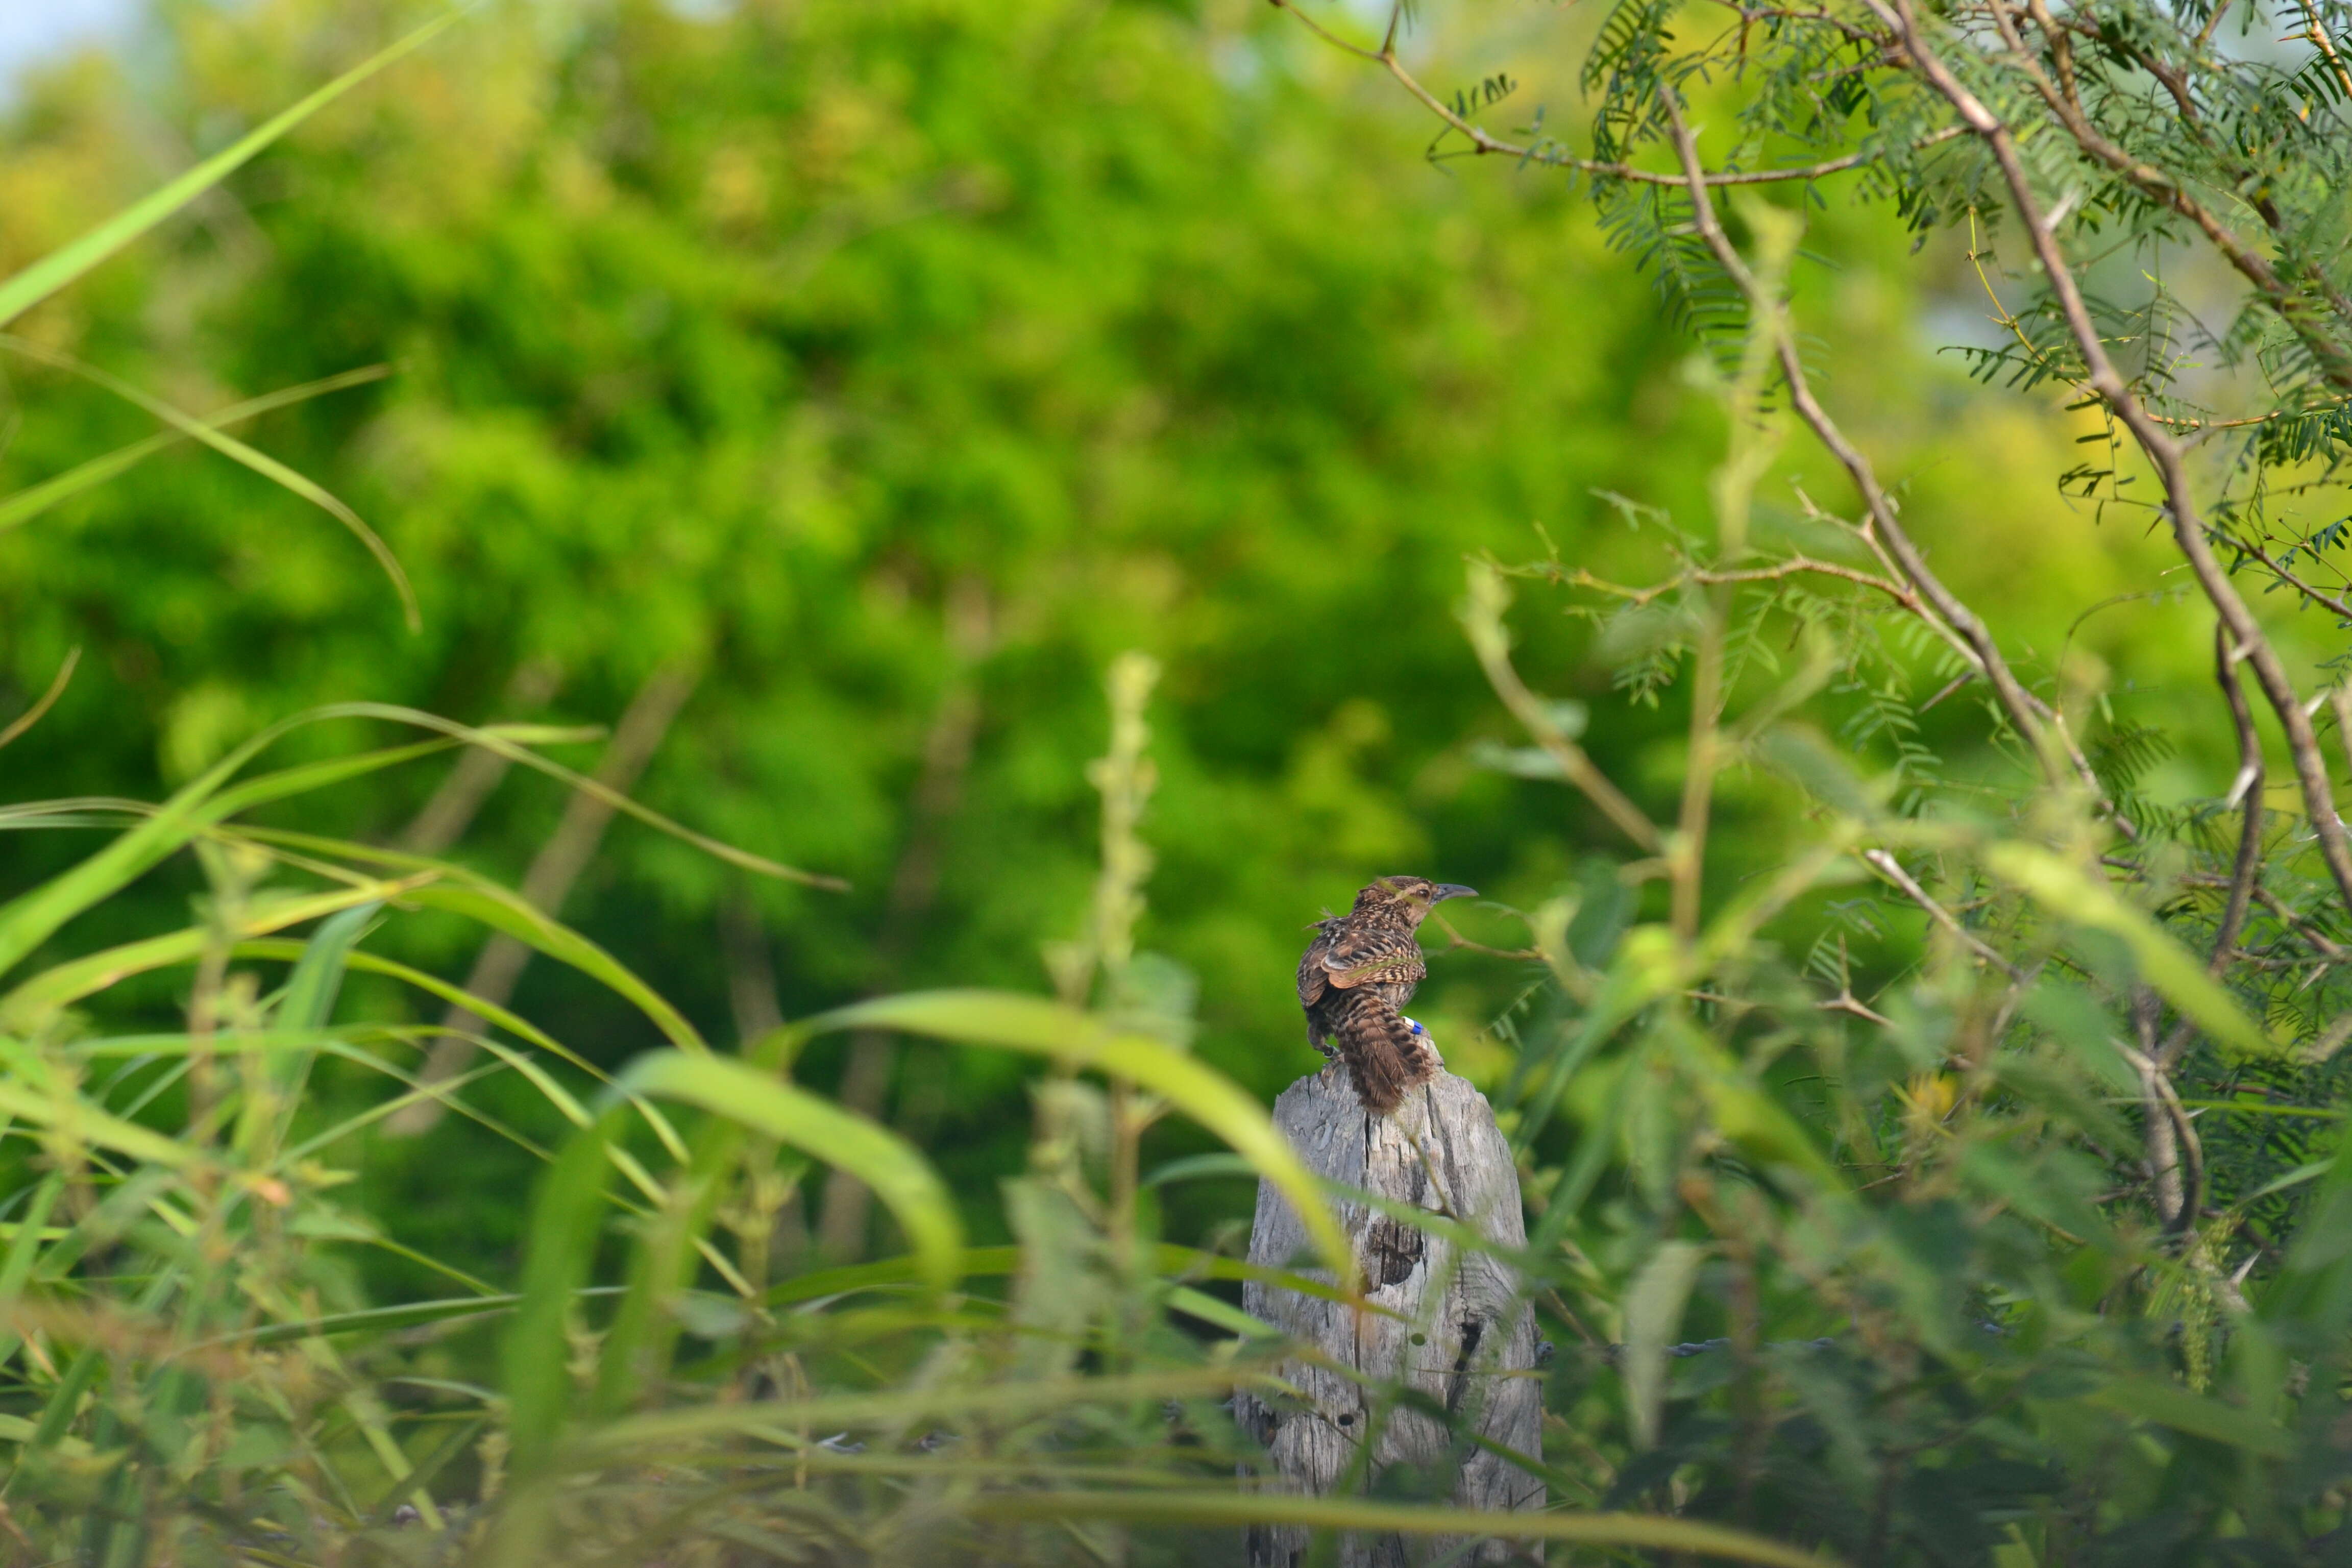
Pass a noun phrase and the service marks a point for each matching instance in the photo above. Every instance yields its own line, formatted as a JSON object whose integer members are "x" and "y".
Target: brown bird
{"x": 1357, "y": 976}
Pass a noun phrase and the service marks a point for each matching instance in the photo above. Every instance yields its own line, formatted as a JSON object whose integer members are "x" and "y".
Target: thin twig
{"x": 2334, "y": 952}
{"x": 2316, "y": 597}
{"x": 1483, "y": 144}
{"x": 2247, "y": 787}
{"x": 2023, "y": 710}
{"x": 1886, "y": 866}
{"x": 1846, "y": 1002}
{"x": 2176, "y": 1157}
{"x": 1794, "y": 566}
{"x": 1491, "y": 644}
{"x": 2249, "y": 783}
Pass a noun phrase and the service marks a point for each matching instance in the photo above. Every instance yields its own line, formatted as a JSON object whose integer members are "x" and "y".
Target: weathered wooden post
{"x": 1462, "y": 1335}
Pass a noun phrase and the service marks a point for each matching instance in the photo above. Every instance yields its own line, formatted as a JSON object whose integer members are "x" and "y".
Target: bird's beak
{"x": 1445, "y": 890}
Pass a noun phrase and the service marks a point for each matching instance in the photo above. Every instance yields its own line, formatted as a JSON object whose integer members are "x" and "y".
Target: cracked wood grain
{"x": 1464, "y": 1335}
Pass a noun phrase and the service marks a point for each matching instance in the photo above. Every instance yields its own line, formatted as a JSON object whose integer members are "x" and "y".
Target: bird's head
{"x": 1413, "y": 896}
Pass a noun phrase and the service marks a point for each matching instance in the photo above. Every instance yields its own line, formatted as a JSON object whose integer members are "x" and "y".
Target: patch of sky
{"x": 34, "y": 32}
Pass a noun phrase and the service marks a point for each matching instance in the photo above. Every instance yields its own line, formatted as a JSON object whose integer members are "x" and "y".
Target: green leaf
{"x": 2169, "y": 1404}
{"x": 2062, "y": 888}
{"x": 1081, "y": 1041}
{"x": 318, "y": 975}
{"x": 566, "y": 1217}
{"x": 2312, "y": 1296}
{"x": 1653, "y": 1312}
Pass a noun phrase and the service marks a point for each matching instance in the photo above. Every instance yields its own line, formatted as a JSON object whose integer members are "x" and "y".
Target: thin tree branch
{"x": 550, "y": 877}
{"x": 2247, "y": 787}
{"x": 1886, "y": 866}
{"x": 2247, "y": 784}
{"x": 2176, "y": 1157}
{"x": 2159, "y": 186}
{"x": 968, "y": 625}
{"x": 2024, "y": 709}
{"x": 1491, "y": 642}
{"x": 2316, "y": 597}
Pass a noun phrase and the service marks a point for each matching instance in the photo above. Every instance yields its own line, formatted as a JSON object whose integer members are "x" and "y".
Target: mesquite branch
{"x": 2188, "y": 529}
{"x": 2032, "y": 718}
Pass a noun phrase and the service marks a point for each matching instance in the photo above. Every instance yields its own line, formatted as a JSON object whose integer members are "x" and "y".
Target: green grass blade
{"x": 65, "y": 984}
{"x": 509, "y": 914}
{"x": 1001, "y": 1403}
{"x": 228, "y": 445}
{"x": 885, "y": 1162}
{"x": 31, "y": 918}
{"x": 1220, "y": 1314}
{"x": 495, "y": 739}
{"x": 566, "y": 1220}
{"x": 1078, "y": 1041}
{"x": 24, "y": 1247}
{"x": 34, "y": 500}
{"x": 317, "y": 976}
{"x": 507, "y": 740}
{"x": 387, "y": 1320}
{"x": 640, "y": 1344}
{"x": 70, "y": 262}
{"x": 513, "y": 1023}
{"x": 994, "y": 1262}
{"x": 1211, "y": 1509}
{"x": 75, "y": 1118}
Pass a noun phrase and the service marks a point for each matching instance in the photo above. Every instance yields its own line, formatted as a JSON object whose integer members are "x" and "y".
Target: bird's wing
{"x": 1359, "y": 957}
{"x": 1312, "y": 976}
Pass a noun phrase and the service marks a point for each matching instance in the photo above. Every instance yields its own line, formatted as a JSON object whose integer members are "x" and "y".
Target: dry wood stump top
{"x": 1462, "y": 1335}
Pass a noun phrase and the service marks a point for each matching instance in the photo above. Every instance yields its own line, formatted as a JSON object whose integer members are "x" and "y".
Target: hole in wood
{"x": 1392, "y": 1250}
{"x": 1472, "y": 1330}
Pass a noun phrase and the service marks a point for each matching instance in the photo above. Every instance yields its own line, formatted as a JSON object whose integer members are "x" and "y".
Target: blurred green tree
{"x": 882, "y": 370}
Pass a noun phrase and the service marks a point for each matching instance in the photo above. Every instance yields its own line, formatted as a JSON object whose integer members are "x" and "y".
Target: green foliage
{"x": 1927, "y": 1110}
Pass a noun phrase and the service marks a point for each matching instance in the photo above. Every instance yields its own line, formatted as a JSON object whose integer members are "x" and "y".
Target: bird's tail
{"x": 1385, "y": 1056}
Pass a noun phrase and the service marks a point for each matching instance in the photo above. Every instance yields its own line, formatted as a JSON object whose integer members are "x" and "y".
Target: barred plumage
{"x": 1355, "y": 979}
